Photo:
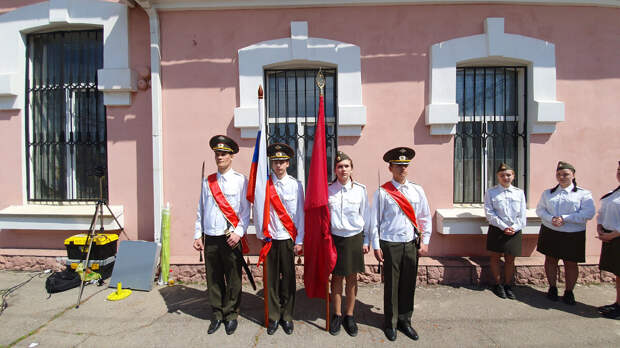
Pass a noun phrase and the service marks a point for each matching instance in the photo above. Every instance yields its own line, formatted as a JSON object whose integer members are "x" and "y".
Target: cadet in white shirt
{"x": 564, "y": 211}
{"x": 505, "y": 209}
{"x": 223, "y": 266}
{"x": 397, "y": 206}
{"x": 608, "y": 229}
{"x": 348, "y": 209}
{"x": 284, "y": 226}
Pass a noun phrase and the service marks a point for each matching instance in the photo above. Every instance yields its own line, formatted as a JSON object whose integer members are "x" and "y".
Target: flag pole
{"x": 320, "y": 82}
{"x": 265, "y": 287}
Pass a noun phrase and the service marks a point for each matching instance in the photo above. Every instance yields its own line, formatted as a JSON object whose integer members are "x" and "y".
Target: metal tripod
{"x": 91, "y": 230}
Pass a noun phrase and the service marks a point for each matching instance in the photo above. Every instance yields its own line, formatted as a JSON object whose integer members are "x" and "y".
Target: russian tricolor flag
{"x": 259, "y": 174}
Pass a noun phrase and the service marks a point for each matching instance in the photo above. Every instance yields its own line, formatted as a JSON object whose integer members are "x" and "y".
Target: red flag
{"x": 319, "y": 250}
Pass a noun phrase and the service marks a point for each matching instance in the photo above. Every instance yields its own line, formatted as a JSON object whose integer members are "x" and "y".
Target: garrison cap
{"x": 341, "y": 156}
{"x": 224, "y": 144}
{"x": 280, "y": 152}
{"x": 399, "y": 155}
{"x": 565, "y": 165}
{"x": 502, "y": 167}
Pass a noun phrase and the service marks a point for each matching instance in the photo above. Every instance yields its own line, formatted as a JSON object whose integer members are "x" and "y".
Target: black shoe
{"x": 390, "y": 333}
{"x": 272, "y": 327}
{"x": 499, "y": 291}
{"x": 334, "y": 325}
{"x": 406, "y": 328}
{"x": 552, "y": 293}
{"x": 613, "y": 313}
{"x": 607, "y": 308}
{"x": 569, "y": 298}
{"x": 230, "y": 326}
{"x": 509, "y": 293}
{"x": 349, "y": 325}
{"x": 215, "y": 324}
{"x": 287, "y": 326}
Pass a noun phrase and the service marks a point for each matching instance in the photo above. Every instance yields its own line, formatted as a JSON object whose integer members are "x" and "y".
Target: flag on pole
{"x": 319, "y": 250}
{"x": 257, "y": 184}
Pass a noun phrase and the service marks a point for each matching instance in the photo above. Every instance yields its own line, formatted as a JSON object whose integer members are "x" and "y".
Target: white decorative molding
{"x": 55, "y": 217}
{"x": 544, "y": 111}
{"x": 242, "y": 4}
{"x": 301, "y": 50}
{"x": 117, "y": 81}
{"x": 473, "y": 221}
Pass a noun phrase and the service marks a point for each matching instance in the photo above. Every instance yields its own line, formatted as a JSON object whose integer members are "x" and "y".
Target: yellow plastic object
{"x": 87, "y": 275}
{"x": 119, "y": 294}
{"x": 100, "y": 239}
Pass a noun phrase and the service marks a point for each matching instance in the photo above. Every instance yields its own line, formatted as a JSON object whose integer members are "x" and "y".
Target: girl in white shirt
{"x": 564, "y": 210}
{"x": 348, "y": 208}
{"x": 608, "y": 229}
{"x": 505, "y": 209}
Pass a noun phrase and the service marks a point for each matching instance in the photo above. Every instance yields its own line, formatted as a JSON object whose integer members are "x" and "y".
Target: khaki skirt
{"x": 568, "y": 246}
{"x": 350, "y": 256}
{"x": 499, "y": 242}
{"x": 610, "y": 256}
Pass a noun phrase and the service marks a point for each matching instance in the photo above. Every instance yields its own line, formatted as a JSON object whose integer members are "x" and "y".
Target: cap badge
{"x": 402, "y": 158}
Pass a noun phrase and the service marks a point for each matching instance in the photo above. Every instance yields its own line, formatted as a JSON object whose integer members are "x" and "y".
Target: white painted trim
{"x": 467, "y": 221}
{"x": 300, "y": 49}
{"x": 55, "y": 217}
{"x": 117, "y": 81}
{"x": 544, "y": 111}
{"x": 241, "y": 4}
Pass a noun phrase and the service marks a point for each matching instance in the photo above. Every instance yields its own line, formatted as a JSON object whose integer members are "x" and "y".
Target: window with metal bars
{"x": 491, "y": 129}
{"x": 292, "y": 100}
{"x": 65, "y": 119}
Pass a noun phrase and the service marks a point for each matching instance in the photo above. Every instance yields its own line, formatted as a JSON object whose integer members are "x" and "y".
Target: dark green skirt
{"x": 499, "y": 242}
{"x": 350, "y": 256}
{"x": 610, "y": 257}
{"x": 568, "y": 246}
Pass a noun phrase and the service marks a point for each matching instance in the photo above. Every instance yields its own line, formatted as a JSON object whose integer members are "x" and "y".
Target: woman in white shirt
{"x": 348, "y": 208}
{"x": 564, "y": 210}
{"x": 505, "y": 209}
{"x": 608, "y": 229}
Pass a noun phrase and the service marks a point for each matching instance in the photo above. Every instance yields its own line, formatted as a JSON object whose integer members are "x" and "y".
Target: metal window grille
{"x": 292, "y": 101}
{"x": 491, "y": 129}
{"x": 65, "y": 118}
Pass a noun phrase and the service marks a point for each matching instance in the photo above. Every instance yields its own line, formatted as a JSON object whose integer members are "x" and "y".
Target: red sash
{"x": 402, "y": 202}
{"x": 225, "y": 208}
{"x": 284, "y": 217}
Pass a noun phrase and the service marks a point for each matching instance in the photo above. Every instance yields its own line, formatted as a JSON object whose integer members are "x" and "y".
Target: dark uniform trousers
{"x": 223, "y": 278}
{"x": 400, "y": 275}
{"x": 281, "y": 280}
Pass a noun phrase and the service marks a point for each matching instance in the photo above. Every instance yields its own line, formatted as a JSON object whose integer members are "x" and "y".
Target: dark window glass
{"x": 66, "y": 124}
{"x": 491, "y": 129}
{"x": 292, "y": 103}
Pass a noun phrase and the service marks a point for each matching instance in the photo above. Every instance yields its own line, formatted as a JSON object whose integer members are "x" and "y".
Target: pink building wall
{"x": 200, "y": 81}
{"x": 200, "y": 90}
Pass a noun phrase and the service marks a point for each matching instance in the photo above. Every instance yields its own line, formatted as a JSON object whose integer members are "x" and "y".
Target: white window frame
{"x": 544, "y": 111}
{"x": 301, "y": 50}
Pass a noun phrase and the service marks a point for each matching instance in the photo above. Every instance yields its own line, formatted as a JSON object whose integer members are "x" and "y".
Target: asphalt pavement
{"x": 178, "y": 316}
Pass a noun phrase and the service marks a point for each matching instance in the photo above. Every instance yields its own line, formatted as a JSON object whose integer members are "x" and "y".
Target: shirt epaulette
{"x": 359, "y": 184}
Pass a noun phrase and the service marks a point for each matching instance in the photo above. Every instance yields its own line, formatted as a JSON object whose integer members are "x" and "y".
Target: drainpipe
{"x": 156, "y": 111}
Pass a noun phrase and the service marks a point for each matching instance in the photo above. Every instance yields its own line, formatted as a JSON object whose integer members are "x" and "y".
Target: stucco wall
{"x": 200, "y": 77}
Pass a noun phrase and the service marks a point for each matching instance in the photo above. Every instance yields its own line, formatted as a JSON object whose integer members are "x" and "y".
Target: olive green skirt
{"x": 350, "y": 256}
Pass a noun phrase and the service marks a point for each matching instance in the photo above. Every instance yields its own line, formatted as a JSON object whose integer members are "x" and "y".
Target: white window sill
{"x": 469, "y": 221}
{"x": 57, "y": 217}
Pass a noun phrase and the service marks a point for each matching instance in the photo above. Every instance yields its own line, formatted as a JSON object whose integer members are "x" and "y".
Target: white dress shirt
{"x": 505, "y": 207}
{"x": 348, "y": 208}
{"x": 609, "y": 213}
{"x": 233, "y": 185}
{"x": 389, "y": 223}
{"x": 291, "y": 193}
{"x": 575, "y": 208}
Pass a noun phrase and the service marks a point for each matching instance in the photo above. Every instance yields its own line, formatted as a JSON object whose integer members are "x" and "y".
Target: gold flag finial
{"x": 320, "y": 80}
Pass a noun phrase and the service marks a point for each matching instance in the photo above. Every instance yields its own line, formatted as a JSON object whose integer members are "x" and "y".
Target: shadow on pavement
{"x": 184, "y": 299}
{"x": 538, "y": 299}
